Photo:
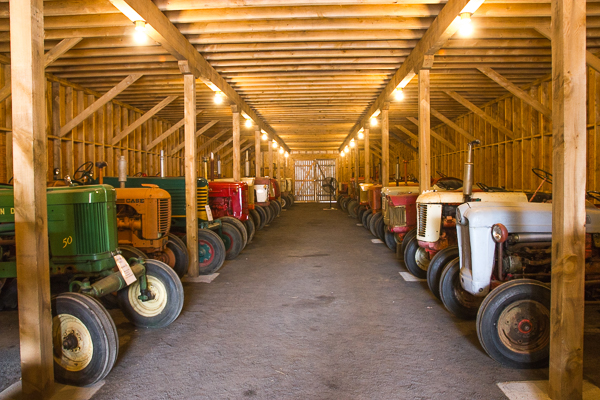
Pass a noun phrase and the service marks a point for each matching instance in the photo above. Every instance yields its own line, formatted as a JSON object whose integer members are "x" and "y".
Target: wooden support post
{"x": 237, "y": 175}
{"x": 568, "y": 198}
{"x": 356, "y": 161}
{"x": 30, "y": 203}
{"x": 279, "y": 156}
{"x": 385, "y": 144}
{"x": 270, "y": 159}
{"x": 257, "y": 155}
{"x": 191, "y": 213}
{"x": 367, "y": 156}
{"x": 424, "y": 133}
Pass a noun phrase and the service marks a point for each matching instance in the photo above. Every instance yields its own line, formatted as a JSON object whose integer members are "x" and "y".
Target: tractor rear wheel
{"x": 8, "y": 295}
{"x": 274, "y": 210}
{"x": 368, "y": 219}
{"x": 132, "y": 252}
{"x": 167, "y": 297}
{"x": 240, "y": 227}
{"x": 85, "y": 340}
{"x": 284, "y": 202}
{"x": 232, "y": 239}
{"x": 179, "y": 250}
{"x": 456, "y": 299}
{"x": 255, "y": 218}
{"x": 263, "y": 217}
{"x": 249, "y": 224}
{"x": 291, "y": 199}
{"x": 344, "y": 202}
{"x": 360, "y": 212}
{"x": 277, "y": 205}
{"x": 416, "y": 259}
{"x": 211, "y": 252}
{"x": 436, "y": 267}
{"x": 513, "y": 324}
{"x": 269, "y": 212}
{"x": 380, "y": 229}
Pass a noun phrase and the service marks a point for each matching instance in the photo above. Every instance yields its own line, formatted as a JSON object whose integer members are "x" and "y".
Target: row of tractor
{"x": 485, "y": 253}
{"x": 120, "y": 242}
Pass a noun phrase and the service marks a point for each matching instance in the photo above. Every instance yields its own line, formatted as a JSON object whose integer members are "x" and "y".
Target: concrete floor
{"x": 312, "y": 309}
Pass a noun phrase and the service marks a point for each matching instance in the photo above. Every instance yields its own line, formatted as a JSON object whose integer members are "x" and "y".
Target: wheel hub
{"x": 422, "y": 259}
{"x": 524, "y": 326}
{"x": 70, "y": 341}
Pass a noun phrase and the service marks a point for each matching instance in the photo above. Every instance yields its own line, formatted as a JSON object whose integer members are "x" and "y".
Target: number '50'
{"x": 67, "y": 241}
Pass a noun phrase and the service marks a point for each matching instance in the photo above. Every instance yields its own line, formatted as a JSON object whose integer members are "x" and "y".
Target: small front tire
{"x": 456, "y": 299}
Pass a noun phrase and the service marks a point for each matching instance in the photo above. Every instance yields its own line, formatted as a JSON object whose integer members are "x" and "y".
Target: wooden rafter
{"x": 435, "y": 135}
{"x": 212, "y": 139}
{"x": 451, "y": 124}
{"x": 198, "y": 133}
{"x": 138, "y": 122}
{"x": 168, "y": 133}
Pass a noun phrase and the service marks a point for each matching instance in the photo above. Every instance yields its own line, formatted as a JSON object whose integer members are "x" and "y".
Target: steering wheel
{"x": 449, "y": 183}
{"x": 85, "y": 172}
{"x": 594, "y": 195}
{"x": 442, "y": 175}
{"x": 138, "y": 175}
{"x": 544, "y": 175}
{"x": 483, "y": 186}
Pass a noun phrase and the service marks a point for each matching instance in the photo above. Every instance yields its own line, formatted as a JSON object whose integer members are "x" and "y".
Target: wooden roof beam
{"x": 404, "y": 142}
{"x": 443, "y": 27}
{"x": 479, "y": 112}
{"x": 590, "y": 59}
{"x": 138, "y": 122}
{"x": 435, "y": 135}
{"x": 168, "y": 133}
{"x": 225, "y": 143}
{"x": 198, "y": 133}
{"x": 451, "y": 124}
{"x": 159, "y": 28}
{"x": 212, "y": 139}
{"x": 60, "y": 49}
{"x": 95, "y": 106}
{"x": 514, "y": 89}
{"x": 408, "y": 132}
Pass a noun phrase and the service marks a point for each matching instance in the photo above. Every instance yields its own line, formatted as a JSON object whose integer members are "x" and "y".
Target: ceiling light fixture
{"x": 398, "y": 94}
{"x": 466, "y": 26}
{"x": 361, "y": 134}
{"x": 373, "y": 121}
{"x": 219, "y": 97}
{"x": 274, "y": 144}
{"x": 249, "y": 123}
{"x": 281, "y": 150}
{"x": 286, "y": 155}
{"x": 352, "y": 143}
{"x": 140, "y": 32}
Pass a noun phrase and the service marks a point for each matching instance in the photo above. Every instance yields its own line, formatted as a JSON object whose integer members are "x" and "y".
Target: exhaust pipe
{"x": 205, "y": 167}
{"x": 468, "y": 177}
{"x": 122, "y": 169}
{"x": 212, "y": 166}
{"x": 247, "y": 165}
{"x": 397, "y": 170}
{"x": 218, "y": 166}
{"x": 162, "y": 163}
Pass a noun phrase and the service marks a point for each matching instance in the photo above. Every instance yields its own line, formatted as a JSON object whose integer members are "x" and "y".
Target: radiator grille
{"x": 202, "y": 201}
{"x": 91, "y": 228}
{"x": 465, "y": 246}
{"x": 397, "y": 216}
{"x": 164, "y": 215}
{"x": 421, "y": 219}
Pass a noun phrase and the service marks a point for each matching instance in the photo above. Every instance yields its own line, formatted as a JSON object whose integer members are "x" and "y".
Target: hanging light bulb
{"x": 346, "y": 149}
{"x": 281, "y": 150}
{"x": 286, "y": 154}
{"x": 352, "y": 143}
{"x": 140, "y": 32}
{"x": 361, "y": 134}
{"x": 219, "y": 97}
{"x": 373, "y": 121}
{"x": 466, "y": 26}
{"x": 398, "y": 94}
{"x": 249, "y": 123}
{"x": 264, "y": 136}
{"x": 274, "y": 144}
{"x": 342, "y": 153}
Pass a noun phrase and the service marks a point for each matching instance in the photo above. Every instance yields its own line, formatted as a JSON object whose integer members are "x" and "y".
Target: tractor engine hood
{"x": 394, "y": 190}
{"x": 456, "y": 197}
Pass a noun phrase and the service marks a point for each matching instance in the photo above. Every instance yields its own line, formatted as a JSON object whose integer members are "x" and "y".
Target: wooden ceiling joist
{"x": 199, "y": 132}
{"x": 138, "y": 122}
{"x": 168, "y": 133}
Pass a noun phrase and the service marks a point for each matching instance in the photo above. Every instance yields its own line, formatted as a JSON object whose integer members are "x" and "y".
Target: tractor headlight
{"x": 499, "y": 233}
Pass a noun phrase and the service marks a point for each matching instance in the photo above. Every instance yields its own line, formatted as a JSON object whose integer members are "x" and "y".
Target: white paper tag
{"x": 125, "y": 270}
{"x": 208, "y": 212}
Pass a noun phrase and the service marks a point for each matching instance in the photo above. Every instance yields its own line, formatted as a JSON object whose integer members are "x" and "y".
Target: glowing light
{"x": 376, "y": 113}
{"x": 274, "y": 144}
{"x": 265, "y": 137}
{"x": 346, "y": 149}
{"x": 352, "y": 143}
{"x": 140, "y": 32}
{"x": 466, "y": 26}
{"x": 342, "y": 153}
{"x": 219, "y": 97}
{"x": 249, "y": 123}
{"x": 361, "y": 134}
{"x": 281, "y": 150}
{"x": 373, "y": 121}
{"x": 398, "y": 94}
{"x": 286, "y": 154}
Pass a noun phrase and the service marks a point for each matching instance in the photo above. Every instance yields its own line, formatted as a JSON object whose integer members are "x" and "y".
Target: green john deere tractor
{"x": 85, "y": 265}
{"x": 214, "y": 236}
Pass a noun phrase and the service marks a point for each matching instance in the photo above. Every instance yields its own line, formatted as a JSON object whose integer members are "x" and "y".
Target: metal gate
{"x": 308, "y": 179}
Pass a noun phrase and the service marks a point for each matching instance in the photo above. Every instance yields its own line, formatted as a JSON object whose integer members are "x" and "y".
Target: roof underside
{"x": 310, "y": 69}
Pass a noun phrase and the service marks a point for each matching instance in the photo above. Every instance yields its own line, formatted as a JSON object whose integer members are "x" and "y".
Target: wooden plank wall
{"x": 90, "y": 141}
{"x": 501, "y": 161}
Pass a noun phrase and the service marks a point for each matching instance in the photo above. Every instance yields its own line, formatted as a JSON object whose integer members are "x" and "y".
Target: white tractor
{"x": 502, "y": 276}
{"x": 436, "y": 225}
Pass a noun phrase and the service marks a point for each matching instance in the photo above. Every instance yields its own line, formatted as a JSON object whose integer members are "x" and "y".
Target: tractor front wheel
{"x": 179, "y": 251}
{"x": 251, "y": 228}
{"x": 456, "y": 299}
{"x": 166, "y": 292}
{"x": 84, "y": 338}
{"x": 240, "y": 227}
{"x": 262, "y": 217}
{"x": 255, "y": 216}
{"x": 350, "y": 207}
{"x": 436, "y": 267}
{"x": 372, "y": 223}
{"x": 416, "y": 259}
{"x": 513, "y": 324}
{"x": 390, "y": 239}
{"x": 364, "y": 218}
{"x": 211, "y": 252}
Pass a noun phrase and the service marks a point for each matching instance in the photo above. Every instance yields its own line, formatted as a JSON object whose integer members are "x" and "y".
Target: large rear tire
{"x": 263, "y": 217}
{"x": 255, "y": 218}
{"x": 232, "y": 239}
{"x": 372, "y": 223}
{"x": 249, "y": 224}
{"x": 436, "y": 267}
{"x": 365, "y": 218}
{"x": 85, "y": 340}
{"x": 269, "y": 211}
{"x": 513, "y": 324}
{"x": 380, "y": 229}
{"x": 167, "y": 291}
{"x": 361, "y": 211}
{"x": 456, "y": 299}
{"x": 351, "y": 208}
